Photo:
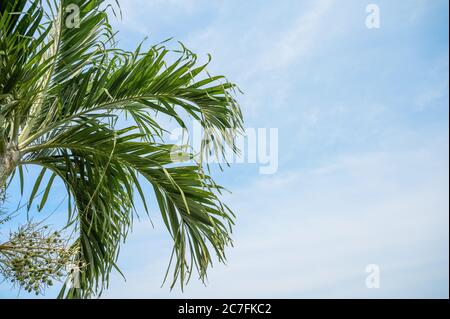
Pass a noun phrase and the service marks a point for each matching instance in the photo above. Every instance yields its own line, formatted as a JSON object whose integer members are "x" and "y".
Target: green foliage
{"x": 62, "y": 91}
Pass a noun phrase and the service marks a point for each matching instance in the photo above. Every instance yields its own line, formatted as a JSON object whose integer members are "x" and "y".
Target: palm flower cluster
{"x": 34, "y": 257}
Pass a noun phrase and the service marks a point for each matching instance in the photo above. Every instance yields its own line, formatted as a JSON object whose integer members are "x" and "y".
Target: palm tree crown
{"x": 62, "y": 90}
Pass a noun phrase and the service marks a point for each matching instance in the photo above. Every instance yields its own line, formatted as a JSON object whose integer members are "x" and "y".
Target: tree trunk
{"x": 8, "y": 162}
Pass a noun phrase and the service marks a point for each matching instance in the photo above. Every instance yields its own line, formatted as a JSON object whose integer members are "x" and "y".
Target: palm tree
{"x": 63, "y": 90}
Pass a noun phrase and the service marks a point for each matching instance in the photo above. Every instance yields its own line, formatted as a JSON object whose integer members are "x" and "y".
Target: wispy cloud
{"x": 298, "y": 40}
{"x": 436, "y": 87}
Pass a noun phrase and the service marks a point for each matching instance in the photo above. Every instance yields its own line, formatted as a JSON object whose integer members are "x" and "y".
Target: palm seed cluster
{"x": 34, "y": 257}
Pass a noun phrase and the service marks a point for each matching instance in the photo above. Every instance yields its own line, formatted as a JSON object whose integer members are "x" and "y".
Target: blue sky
{"x": 363, "y": 146}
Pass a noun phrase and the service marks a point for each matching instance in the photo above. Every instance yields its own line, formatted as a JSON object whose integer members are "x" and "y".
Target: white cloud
{"x": 298, "y": 40}
{"x": 258, "y": 49}
{"x": 436, "y": 87}
{"x": 146, "y": 17}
